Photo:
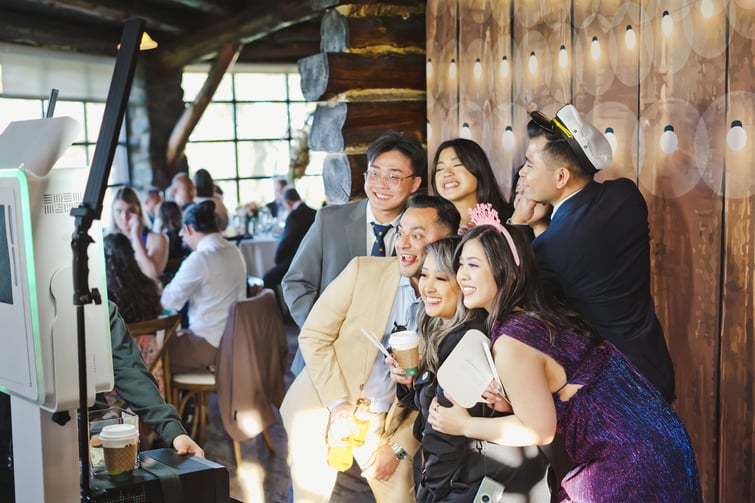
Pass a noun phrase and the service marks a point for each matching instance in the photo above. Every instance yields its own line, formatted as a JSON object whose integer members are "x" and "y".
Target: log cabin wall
{"x": 368, "y": 78}
{"x": 490, "y": 63}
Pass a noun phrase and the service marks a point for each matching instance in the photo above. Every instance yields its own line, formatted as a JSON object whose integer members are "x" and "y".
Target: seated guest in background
{"x": 205, "y": 186}
{"x": 453, "y": 466}
{"x": 152, "y": 197}
{"x": 181, "y": 190}
{"x": 136, "y": 295}
{"x": 210, "y": 279}
{"x": 299, "y": 220}
{"x": 396, "y": 163}
{"x": 276, "y": 205}
{"x": 374, "y": 293}
{"x": 463, "y": 175}
{"x": 169, "y": 222}
{"x": 150, "y": 248}
{"x": 134, "y": 383}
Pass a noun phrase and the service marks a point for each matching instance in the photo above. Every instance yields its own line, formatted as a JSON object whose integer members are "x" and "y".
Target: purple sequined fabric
{"x": 626, "y": 442}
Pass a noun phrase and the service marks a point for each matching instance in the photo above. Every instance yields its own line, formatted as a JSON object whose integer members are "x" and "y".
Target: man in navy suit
{"x": 595, "y": 254}
{"x": 299, "y": 220}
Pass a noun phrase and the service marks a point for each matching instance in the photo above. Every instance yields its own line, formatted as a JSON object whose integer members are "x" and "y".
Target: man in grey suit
{"x": 395, "y": 166}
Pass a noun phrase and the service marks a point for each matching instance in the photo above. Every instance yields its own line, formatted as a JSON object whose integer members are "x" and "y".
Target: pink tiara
{"x": 485, "y": 214}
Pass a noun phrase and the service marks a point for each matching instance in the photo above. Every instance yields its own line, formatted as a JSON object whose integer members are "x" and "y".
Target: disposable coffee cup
{"x": 98, "y": 419}
{"x": 119, "y": 446}
{"x": 405, "y": 348}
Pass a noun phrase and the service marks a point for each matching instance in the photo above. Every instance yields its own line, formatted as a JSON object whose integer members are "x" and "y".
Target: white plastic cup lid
{"x": 118, "y": 435}
{"x": 406, "y": 339}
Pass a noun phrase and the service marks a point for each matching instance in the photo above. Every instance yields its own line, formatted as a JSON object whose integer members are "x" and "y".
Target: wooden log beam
{"x": 342, "y": 176}
{"x": 353, "y": 126}
{"x": 255, "y": 23}
{"x": 382, "y": 33}
{"x": 185, "y": 125}
{"x": 326, "y": 75}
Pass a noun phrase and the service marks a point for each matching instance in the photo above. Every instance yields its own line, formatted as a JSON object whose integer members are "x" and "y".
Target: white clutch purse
{"x": 468, "y": 370}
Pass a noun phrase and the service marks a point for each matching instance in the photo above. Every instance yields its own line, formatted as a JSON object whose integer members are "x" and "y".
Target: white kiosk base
{"x": 45, "y": 455}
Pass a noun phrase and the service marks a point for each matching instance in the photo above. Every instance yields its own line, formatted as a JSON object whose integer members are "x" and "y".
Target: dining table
{"x": 259, "y": 253}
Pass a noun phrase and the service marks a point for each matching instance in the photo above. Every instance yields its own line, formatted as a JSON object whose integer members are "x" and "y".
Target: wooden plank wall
{"x": 701, "y": 196}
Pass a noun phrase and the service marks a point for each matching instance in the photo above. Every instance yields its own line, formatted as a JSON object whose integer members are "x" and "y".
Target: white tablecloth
{"x": 259, "y": 255}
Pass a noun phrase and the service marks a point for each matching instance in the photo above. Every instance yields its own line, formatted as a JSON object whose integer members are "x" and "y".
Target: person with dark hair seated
{"x": 210, "y": 279}
{"x": 169, "y": 216}
{"x": 299, "y": 220}
{"x": 205, "y": 186}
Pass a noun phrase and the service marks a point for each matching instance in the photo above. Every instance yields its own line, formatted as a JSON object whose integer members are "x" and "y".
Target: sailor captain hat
{"x": 590, "y": 145}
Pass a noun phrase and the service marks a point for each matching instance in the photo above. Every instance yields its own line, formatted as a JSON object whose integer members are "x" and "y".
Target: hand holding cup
{"x": 405, "y": 351}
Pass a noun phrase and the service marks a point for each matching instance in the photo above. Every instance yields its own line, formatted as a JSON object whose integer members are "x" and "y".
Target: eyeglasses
{"x": 392, "y": 181}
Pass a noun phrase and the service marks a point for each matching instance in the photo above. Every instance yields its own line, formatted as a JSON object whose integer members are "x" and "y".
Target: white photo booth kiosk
{"x": 39, "y": 362}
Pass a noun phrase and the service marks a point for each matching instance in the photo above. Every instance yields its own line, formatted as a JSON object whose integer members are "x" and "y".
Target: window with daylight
{"x": 88, "y": 114}
{"x": 254, "y": 126}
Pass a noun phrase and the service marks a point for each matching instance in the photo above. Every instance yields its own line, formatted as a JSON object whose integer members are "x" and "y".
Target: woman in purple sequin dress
{"x": 626, "y": 442}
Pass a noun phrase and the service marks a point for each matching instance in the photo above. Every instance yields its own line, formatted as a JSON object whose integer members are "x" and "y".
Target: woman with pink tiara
{"x": 626, "y": 442}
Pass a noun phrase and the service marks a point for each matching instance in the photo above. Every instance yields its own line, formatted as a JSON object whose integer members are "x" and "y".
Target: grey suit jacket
{"x": 337, "y": 235}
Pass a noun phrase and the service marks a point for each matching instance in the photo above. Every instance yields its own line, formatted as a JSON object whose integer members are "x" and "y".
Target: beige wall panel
{"x": 737, "y": 387}
{"x": 442, "y": 86}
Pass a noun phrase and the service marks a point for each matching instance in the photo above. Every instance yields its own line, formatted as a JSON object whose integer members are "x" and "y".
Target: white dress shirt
{"x": 379, "y": 388}
{"x": 211, "y": 279}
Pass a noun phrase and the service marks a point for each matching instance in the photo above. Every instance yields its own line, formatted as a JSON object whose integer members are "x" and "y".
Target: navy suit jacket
{"x": 298, "y": 223}
{"x": 595, "y": 255}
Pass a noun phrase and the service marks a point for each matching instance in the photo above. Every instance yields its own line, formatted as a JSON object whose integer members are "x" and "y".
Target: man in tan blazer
{"x": 342, "y": 366}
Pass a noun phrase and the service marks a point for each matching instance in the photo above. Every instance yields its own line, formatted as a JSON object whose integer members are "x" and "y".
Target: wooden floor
{"x": 263, "y": 476}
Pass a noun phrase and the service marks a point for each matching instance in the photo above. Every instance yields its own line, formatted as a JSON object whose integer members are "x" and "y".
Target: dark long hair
{"x": 170, "y": 215}
{"x": 129, "y": 196}
{"x": 202, "y": 217}
{"x": 520, "y": 286}
{"x": 135, "y": 294}
{"x": 474, "y": 159}
{"x": 433, "y": 329}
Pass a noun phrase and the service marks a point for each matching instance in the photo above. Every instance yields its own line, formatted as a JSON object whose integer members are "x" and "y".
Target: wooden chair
{"x": 198, "y": 386}
{"x": 159, "y": 366}
{"x": 169, "y": 326}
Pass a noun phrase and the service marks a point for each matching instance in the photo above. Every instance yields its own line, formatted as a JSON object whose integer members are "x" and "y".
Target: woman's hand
{"x": 495, "y": 399}
{"x": 397, "y": 372}
{"x": 448, "y": 420}
{"x": 135, "y": 225}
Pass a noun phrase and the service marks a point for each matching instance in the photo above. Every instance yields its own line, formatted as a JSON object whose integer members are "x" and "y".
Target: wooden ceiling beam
{"x": 190, "y": 118}
{"x": 46, "y": 33}
{"x": 253, "y": 24}
{"x": 119, "y": 12}
{"x": 206, "y": 6}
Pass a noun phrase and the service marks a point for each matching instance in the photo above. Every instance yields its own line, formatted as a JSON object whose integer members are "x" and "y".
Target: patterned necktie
{"x": 378, "y": 247}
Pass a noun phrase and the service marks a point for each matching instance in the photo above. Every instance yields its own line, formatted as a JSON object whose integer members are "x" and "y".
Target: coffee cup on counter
{"x": 119, "y": 446}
